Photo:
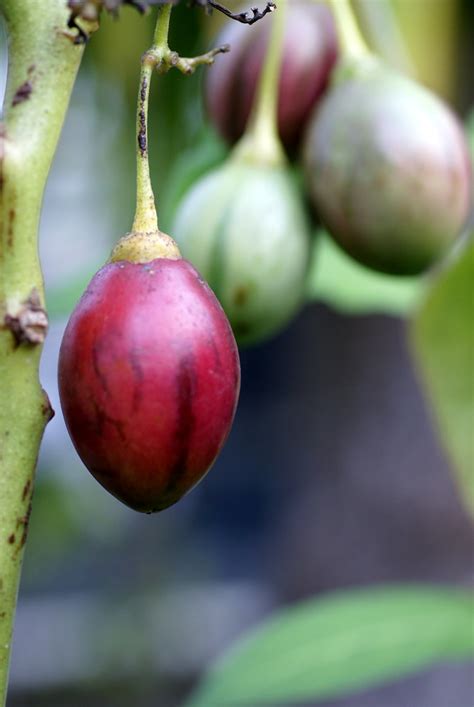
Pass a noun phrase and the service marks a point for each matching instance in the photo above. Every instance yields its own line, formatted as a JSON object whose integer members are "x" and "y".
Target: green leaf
{"x": 349, "y": 640}
{"x": 443, "y": 338}
{"x": 338, "y": 280}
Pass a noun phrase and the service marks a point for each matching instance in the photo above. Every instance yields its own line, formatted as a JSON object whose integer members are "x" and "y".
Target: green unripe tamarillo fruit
{"x": 388, "y": 170}
{"x": 244, "y": 228}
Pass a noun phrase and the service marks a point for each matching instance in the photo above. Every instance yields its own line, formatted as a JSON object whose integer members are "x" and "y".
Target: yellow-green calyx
{"x": 139, "y": 247}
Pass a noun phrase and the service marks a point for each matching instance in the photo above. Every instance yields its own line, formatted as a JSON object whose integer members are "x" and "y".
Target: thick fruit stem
{"x": 42, "y": 67}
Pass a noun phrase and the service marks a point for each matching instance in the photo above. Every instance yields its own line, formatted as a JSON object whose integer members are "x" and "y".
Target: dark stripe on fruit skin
{"x": 134, "y": 358}
{"x": 102, "y": 418}
{"x": 95, "y": 362}
{"x": 185, "y": 386}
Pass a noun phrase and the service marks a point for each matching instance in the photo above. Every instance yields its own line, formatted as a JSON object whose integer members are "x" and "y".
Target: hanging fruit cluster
{"x": 385, "y": 166}
{"x": 149, "y": 368}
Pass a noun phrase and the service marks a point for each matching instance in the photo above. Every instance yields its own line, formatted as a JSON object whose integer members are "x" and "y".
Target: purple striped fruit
{"x": 149, "y": 379}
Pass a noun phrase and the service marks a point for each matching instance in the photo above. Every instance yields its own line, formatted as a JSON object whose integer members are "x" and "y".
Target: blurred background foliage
{"x": 334, "y": 475}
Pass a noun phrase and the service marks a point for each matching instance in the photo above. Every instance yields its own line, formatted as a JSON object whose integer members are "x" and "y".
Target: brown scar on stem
{"x": 26, "y": 490}
{"x": 30, "y": 324}
{"x": 24, "y": 521}
{"x": 141, "y": 137}
{"x": 11, "y": 538}
{"x": 22, "y": 93}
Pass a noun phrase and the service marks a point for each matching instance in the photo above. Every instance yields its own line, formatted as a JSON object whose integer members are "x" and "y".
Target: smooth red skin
{"x": 309, "y": 54}
{"x": 149, "y": 380}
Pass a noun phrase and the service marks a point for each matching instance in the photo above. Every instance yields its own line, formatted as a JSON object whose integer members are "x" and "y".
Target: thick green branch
{"x": 42, "y": 67}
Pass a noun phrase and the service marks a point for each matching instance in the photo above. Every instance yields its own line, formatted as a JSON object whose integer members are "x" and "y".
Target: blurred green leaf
{"x": 347, "y": 641}
{"x": 338, "y": 280}
{"x": 208, "y": 152}
{"x": 443, "y": 337}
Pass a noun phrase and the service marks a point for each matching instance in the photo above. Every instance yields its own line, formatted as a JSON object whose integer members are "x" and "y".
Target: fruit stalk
{"x": 352, "y": 43}
{"x": 146, "y": 220}
{"x": 261, "y": 138}
{"x": 43, "y": 63}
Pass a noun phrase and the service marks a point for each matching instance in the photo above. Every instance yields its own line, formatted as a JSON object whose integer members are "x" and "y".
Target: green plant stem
{"x": 160, "y": 39}
{"x": 261, "y": 140}
{"x": 42, "y": 67}
{"x": 146, "y": 219}
{"x": 350, "y": 38}
{"x": 161, "y": 58}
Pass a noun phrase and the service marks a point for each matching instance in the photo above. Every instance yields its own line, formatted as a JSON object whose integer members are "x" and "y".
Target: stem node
{"x": 29, "y": 324}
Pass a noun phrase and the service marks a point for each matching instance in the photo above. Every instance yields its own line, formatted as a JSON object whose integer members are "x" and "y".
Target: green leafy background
{"x": 328, "y": 647}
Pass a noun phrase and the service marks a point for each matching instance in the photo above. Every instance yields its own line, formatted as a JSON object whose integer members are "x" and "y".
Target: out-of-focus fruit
{"x": 309, "y": 54}
{"x": 244, "y": 227}
{"x": 388, "y": 169}
{"x": 148, "y": 376}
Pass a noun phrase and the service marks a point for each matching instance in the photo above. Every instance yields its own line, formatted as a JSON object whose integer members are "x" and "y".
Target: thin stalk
{"x": 146, "y": 219}
{"x": 261, "y": 139}
{"x": 42, "y": 66}
{"x": 351, "y": 40}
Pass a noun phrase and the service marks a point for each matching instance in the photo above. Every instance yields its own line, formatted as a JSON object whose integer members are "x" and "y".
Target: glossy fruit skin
{"x": 149, "y": 380}
{"x": 309, "y": 54}
{"x": 245, "y": 228}
{"x": 388, "y": 171}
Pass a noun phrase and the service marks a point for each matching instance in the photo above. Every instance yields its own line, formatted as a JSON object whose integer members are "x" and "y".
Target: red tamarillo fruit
{"x": 309, "y": 54}
{"x": 149, "y": 378}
